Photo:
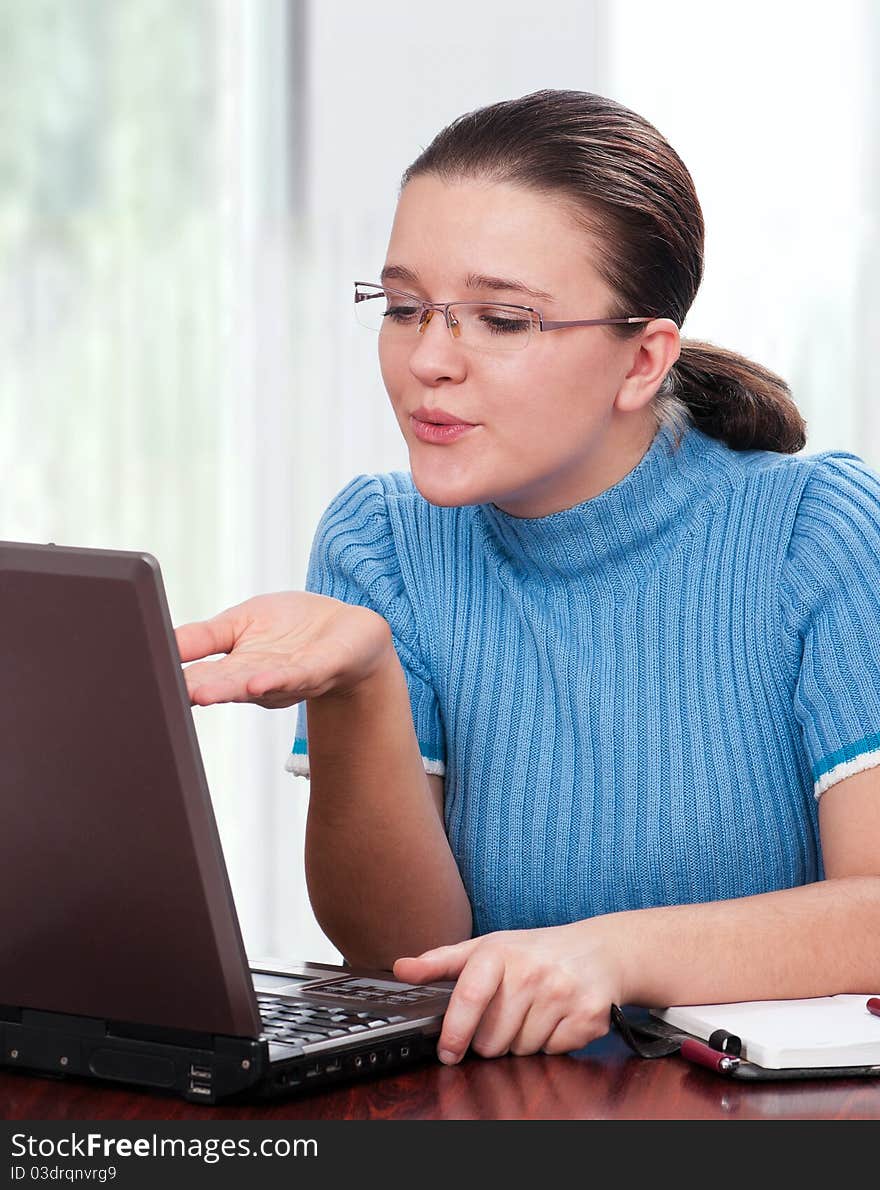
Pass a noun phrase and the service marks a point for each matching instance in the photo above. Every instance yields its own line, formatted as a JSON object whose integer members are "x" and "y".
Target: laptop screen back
{"x": 115, "y": 897}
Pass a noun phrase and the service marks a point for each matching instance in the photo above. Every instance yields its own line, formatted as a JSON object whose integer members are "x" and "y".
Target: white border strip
{"x": 847, "y": 768}
{"x": 298, "y": 764}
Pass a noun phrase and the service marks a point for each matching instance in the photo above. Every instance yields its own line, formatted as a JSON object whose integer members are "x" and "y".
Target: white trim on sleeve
{"x": 847, "y": 768}
{"x": 298, "y": 764}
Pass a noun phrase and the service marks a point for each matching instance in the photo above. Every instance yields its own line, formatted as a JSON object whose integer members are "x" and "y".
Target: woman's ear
{"x": 656, "y": 350}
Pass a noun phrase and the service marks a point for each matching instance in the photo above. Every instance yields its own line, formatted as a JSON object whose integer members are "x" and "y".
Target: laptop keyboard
{"x": 299, "y": 1022}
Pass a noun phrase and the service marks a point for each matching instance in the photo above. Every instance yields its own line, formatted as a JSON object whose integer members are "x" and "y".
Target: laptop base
{"x": 202, "y": 1068}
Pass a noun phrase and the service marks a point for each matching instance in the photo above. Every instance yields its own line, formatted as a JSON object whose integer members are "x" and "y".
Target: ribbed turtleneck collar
{"x": 630, "y": 526}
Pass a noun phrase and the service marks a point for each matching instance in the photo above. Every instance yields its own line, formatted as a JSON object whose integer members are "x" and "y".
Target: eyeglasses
{"x": 485, "y": 326}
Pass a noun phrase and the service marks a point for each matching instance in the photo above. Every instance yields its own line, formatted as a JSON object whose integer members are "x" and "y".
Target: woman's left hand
{"x": 523, "y": 991}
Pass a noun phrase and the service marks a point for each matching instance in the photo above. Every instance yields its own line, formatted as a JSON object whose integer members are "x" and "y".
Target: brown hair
{"x": 628, "y": 188}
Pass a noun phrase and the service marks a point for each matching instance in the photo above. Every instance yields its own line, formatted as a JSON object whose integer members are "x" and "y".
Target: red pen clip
{"x": 873, "y": 1005}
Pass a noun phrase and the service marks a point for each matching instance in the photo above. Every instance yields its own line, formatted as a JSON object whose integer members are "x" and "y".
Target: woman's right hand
{"x": 281, "y": 649}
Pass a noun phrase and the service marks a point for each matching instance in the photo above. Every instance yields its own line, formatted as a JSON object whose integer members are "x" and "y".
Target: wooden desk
{"x": 603, "y": 1082}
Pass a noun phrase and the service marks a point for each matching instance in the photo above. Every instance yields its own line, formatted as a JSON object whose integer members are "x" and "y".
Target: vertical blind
{"x": 150, "y": 250}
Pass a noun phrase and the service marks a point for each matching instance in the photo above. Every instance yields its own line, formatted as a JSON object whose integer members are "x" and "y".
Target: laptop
{"x": 122, "y": 956}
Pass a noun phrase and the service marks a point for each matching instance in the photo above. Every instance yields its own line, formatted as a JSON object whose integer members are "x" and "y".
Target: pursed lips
{"x": 439, "y": 417}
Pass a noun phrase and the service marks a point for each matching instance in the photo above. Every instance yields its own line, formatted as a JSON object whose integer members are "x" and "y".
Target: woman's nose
{"x": 434, "y": 353}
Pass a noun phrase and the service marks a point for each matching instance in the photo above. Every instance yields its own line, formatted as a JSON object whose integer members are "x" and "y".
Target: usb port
{"x": 200, "y": 1089}
{"x": 200, "y": 1072}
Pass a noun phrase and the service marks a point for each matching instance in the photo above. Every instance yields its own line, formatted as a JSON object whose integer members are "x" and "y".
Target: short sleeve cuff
{"x": 298, "y": 760}
{"x": 298, "y": 763}
{"x": 865, "y": 754}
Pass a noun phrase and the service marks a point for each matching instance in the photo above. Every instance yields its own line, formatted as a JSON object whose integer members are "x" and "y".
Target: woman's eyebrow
{"x": 399, "y": 272}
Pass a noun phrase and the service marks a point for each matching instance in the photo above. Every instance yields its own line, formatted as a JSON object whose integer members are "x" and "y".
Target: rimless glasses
{"x": 488, "y": 326}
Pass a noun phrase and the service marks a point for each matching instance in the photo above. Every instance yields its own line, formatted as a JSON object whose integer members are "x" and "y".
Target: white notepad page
{"x": 786, "y": 1034}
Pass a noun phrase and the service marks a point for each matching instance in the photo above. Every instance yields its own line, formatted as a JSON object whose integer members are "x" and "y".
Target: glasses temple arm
{"x": 554, "y": 326}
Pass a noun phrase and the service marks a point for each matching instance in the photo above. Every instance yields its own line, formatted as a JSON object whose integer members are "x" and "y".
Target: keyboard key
{"x": 304, "y": 1034}
{"x": 278, "y": 1051}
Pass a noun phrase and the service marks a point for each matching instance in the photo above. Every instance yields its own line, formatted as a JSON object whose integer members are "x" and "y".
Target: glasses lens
{"x": 484, "y": 327}
{"x": 493, "y": 328}
{"x": 379, "y": 310}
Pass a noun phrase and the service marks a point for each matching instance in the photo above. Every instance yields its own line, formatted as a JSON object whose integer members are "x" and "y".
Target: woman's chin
{"x": 443, "y": 497}
{"x": 445, "y": 492}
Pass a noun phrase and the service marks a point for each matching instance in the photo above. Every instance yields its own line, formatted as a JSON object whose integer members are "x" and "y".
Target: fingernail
{"x": 447, "y": 1057}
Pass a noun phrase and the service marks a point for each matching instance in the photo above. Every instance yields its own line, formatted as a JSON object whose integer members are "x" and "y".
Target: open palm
{"x": 281, "y": 648}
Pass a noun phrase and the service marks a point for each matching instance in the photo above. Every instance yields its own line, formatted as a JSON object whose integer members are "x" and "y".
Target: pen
{"x": 873, "y": 1005}
{"x": 705, "y": 1055}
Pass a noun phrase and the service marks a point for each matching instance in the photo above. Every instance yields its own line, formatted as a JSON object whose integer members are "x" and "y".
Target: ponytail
{"x": 729, "y": 397}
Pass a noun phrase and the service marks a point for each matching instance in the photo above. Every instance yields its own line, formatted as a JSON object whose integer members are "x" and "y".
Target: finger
{"x": 208, "y": 694}
{"x": 276, "y": 690}
{"x": 443, "y": 962}
{"x": 476, "y": 986}
{"x": 235, "y": 680}
{"x": 505, "y": 1017}
{"x": 200, "y": 673}
{"x": 210, "y": 682}
{"x": 202, "y": 638}
{"x": 225, "y": 689}
{"x": 303, "y": 681}
{"x": 574, "y": 1032}
{"x": 539, "y": 1023}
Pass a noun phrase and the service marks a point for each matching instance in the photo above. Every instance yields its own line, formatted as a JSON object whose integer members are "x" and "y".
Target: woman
{"x": 592, "y": 697}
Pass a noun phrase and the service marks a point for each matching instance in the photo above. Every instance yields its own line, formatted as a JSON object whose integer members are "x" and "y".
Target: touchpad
{"x": 281, "y": 985}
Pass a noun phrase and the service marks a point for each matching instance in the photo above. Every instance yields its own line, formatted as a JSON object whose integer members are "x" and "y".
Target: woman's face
{"x": 554, "y": 423}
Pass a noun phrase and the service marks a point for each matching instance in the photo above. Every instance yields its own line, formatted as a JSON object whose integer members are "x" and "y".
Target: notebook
{"x": 818, "y": 1034}
{"x": 121, "y": 956}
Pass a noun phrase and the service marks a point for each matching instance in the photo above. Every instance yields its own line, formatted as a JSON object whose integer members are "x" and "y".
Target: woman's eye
{"x": 506, "y": 326}
{"x": 400, "y": 313}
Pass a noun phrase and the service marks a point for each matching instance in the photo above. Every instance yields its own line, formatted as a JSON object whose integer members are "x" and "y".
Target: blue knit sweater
{"x": 636, "y": 701}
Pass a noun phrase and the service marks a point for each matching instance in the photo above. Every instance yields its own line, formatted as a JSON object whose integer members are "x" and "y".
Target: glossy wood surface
{"x": 603, "y": 1082}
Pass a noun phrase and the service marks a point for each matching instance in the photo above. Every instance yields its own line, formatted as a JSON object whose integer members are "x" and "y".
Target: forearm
{"x": 817, "y": 940}
{"x": 380, "y": 873}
